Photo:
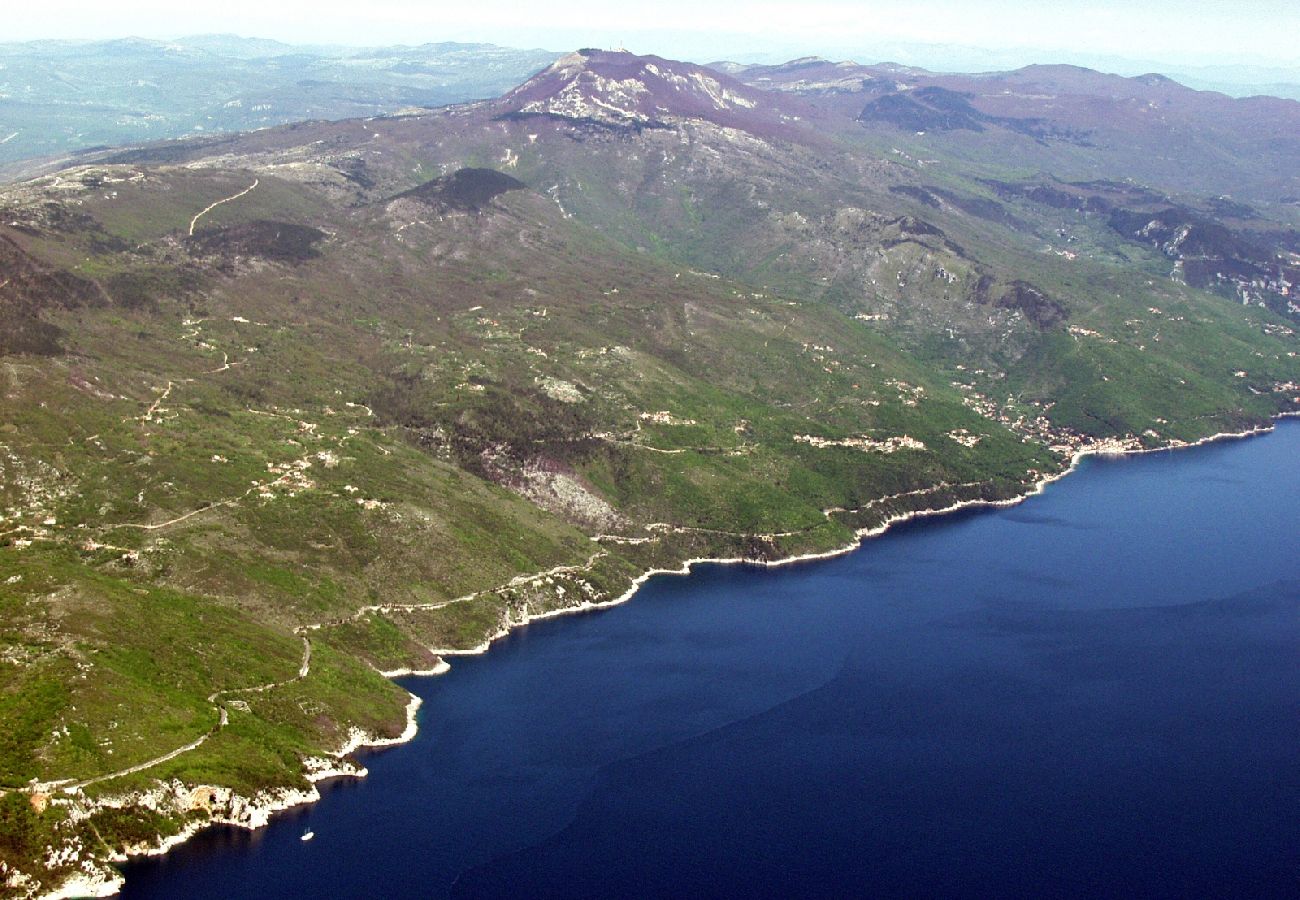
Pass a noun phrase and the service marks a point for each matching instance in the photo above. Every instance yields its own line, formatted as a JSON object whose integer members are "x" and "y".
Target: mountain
{"x": 283, "y": 411}
{"x": 63, "y": 97}
{"x": 623, "y": 90}
{"x": 1150, "y": 155}
{"x": 1150, "y": 128}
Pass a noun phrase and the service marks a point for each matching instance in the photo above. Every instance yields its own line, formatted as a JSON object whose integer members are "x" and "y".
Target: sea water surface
{"x": 1096, "y": 692}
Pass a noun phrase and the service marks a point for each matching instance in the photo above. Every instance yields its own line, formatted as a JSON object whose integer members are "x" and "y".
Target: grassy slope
{"x": 271, "y": 447}
{"x": 1176, "y": 364}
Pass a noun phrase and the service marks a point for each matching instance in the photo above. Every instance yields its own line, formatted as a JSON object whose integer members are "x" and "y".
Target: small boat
{"x": 308, "y": 835}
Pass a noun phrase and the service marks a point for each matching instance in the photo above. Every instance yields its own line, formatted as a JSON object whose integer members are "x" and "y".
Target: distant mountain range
{"x": 1236, "y": 80}
{"x": 60, "y": 97}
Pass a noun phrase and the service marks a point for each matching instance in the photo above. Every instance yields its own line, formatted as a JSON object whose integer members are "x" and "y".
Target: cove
{"x": 1096, "y": 692}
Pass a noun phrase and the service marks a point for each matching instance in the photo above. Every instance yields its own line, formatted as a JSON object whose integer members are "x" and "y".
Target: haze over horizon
{"x": 1236, "y": 40}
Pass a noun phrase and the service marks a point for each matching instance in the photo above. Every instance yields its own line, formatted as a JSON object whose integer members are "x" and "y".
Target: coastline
{"x": 860, "y": 535}
{"x": 441, "y": 668}
{"x": 96, "y": 879}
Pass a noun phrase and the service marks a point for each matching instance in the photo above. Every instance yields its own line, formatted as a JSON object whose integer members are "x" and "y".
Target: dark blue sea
{"x": 1095, "y": 693}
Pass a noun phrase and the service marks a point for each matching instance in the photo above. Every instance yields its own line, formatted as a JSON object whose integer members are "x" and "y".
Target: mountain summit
{"x": 621, "y": 89}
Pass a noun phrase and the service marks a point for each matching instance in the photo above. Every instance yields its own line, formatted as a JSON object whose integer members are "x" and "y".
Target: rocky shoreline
{"x": 95, "y": 878}
{"x": 221, "y": 806}
{"x": 1106, "y": 447}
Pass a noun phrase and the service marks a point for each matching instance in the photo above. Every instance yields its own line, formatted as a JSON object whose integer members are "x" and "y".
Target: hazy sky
{"x": 1176, "y": 32}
